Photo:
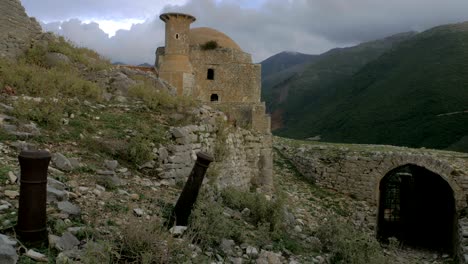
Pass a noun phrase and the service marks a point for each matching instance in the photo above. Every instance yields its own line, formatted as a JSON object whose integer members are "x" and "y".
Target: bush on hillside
{"x": 347, "y": 245}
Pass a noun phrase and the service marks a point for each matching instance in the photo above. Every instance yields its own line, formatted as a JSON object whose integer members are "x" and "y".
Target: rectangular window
{"x": 210, "y": 75}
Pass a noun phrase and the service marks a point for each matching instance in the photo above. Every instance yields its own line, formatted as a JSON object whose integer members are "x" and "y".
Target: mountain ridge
{"x": 394, "y": 97}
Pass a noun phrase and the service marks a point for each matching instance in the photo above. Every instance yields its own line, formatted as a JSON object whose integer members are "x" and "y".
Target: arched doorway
{"x": 417, "y": 207}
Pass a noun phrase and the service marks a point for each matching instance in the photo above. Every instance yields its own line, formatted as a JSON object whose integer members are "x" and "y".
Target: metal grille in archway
{"x": 392, "y": 201}
{"x": 396, "y": 191}
{"x": 417, "y": 207}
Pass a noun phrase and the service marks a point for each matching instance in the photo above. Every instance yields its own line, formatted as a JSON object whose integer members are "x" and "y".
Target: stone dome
{"x": 200, "y": 36}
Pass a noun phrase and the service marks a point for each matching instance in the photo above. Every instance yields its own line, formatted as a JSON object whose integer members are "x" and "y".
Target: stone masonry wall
{"x": 243, "y": 158}
{"x": 357, "y": 170}
{"x": 16, "y": 29}
{"x": 236, "y": 79}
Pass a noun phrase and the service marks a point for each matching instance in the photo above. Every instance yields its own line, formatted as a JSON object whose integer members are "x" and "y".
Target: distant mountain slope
{"x": 289, "y": 91}
{"x": 284, "y": 60}
{"x": 414, "y": 95}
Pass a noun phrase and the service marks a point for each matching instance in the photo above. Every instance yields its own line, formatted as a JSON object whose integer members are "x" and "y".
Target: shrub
{"x": 220, "y": 150}
{"x": 87, "y": 57}
{"x": 208, "y": 225}
{"x": 96, "y": 252}
{"x": 130, "y": 137}
{"x": 210, "y": 45}
{"x": 45, "y": 113}
{"x": 158, "y": 99}
{"x": 149, "y": 242}
{"x": 349, "y": 245}
{"x": 262, "y": 211}
{"x": 33, "y": 80}
{"x": 139, "y": 150}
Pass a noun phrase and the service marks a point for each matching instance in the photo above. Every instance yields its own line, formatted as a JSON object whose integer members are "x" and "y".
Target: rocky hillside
{"x": 122, "y": 147}
{"x": 109, "y": 211}
{"x": 16, "y": 29}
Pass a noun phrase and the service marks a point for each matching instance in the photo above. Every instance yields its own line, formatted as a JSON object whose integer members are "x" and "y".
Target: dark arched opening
{"x": 210, "y": 74}
{"x": 417, "y": 207}
{"x": 214, "y": 98}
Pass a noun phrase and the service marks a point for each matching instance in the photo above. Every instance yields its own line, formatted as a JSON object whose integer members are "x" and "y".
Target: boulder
{"x": 120, "y": 83}
{"x": 111, "y": 164}
{"x": 268, "y": 257}
{"x": 55, "y": 59}
{"x": 61, "y": 162}
{"x": 69, "y": 208}
{"x": 67, "y": 242}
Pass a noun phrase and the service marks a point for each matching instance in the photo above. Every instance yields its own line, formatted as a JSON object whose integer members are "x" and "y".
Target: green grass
{"x": 129, "y": 136}
{"x": 78, "y": 55}
{"x": 348, "y": 245}
{"x": 4, "y": 173}
{"x": 116, "y": 207}
{"x": 37, "y": 81}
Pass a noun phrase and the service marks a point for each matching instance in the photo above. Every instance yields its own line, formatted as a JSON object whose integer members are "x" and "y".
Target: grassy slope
{"x": 280, "y": 68}
{"x": 283, "y": 61}
{"x": 397, "y": 98}
{"x": 293, "y": 89}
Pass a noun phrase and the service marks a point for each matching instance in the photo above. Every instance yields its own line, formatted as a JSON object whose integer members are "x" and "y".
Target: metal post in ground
{"x": 32, "y": 218}
{"x": 188, "y": 197}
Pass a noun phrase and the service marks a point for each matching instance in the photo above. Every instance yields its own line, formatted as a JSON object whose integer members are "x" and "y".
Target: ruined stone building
{"x": 209, "y": 66}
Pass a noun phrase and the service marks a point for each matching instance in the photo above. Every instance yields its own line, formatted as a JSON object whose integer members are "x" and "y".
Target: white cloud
{"x": 262, "y": 27}
{"x": 112, "y": 26}
{"x": 134, "y": 46}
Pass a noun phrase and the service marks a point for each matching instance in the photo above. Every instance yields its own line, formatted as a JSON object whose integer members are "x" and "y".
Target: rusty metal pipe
{"x": 188, "y": 197}
{"x": 32, "y": 218}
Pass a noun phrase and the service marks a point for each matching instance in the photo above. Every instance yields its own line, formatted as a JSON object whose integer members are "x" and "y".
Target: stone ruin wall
{"x": 243, "y": 158}
{"x": 16, "y": 29}
{"x": 236, "y": 78}
{"x": 246, "y": 115}
{"x": 358, "y": 173}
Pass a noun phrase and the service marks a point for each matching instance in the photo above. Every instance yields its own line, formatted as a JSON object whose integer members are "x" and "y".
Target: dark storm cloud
{"x": 312, "y": 25}
{"x": 259, "y": 27}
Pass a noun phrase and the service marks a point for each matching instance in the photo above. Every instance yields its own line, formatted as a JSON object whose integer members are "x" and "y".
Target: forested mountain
{"x": 409, "y": 90}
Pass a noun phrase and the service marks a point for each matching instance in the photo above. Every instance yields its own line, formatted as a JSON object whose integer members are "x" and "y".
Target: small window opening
{"x": 214, "y": 98}
{"x": 177, "y": 36}
{"x": 210, "y": 75}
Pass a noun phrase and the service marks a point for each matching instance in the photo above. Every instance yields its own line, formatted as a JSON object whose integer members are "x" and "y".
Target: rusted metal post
{"x": 32, "y": 218}
{"x": 188, "y": 197}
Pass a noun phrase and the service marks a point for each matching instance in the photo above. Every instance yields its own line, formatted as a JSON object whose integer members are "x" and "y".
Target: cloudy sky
{"x": 129, "y": 31}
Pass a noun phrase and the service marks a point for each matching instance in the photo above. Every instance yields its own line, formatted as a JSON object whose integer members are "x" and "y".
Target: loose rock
{"x": 36, "y": 256}
{"x": 67, "y": 242}
{"x": 177, "y": 230}
{"x": 69, "y": 208}
{"x": 11, "y": 194}
{"x": 61, "y": 162}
